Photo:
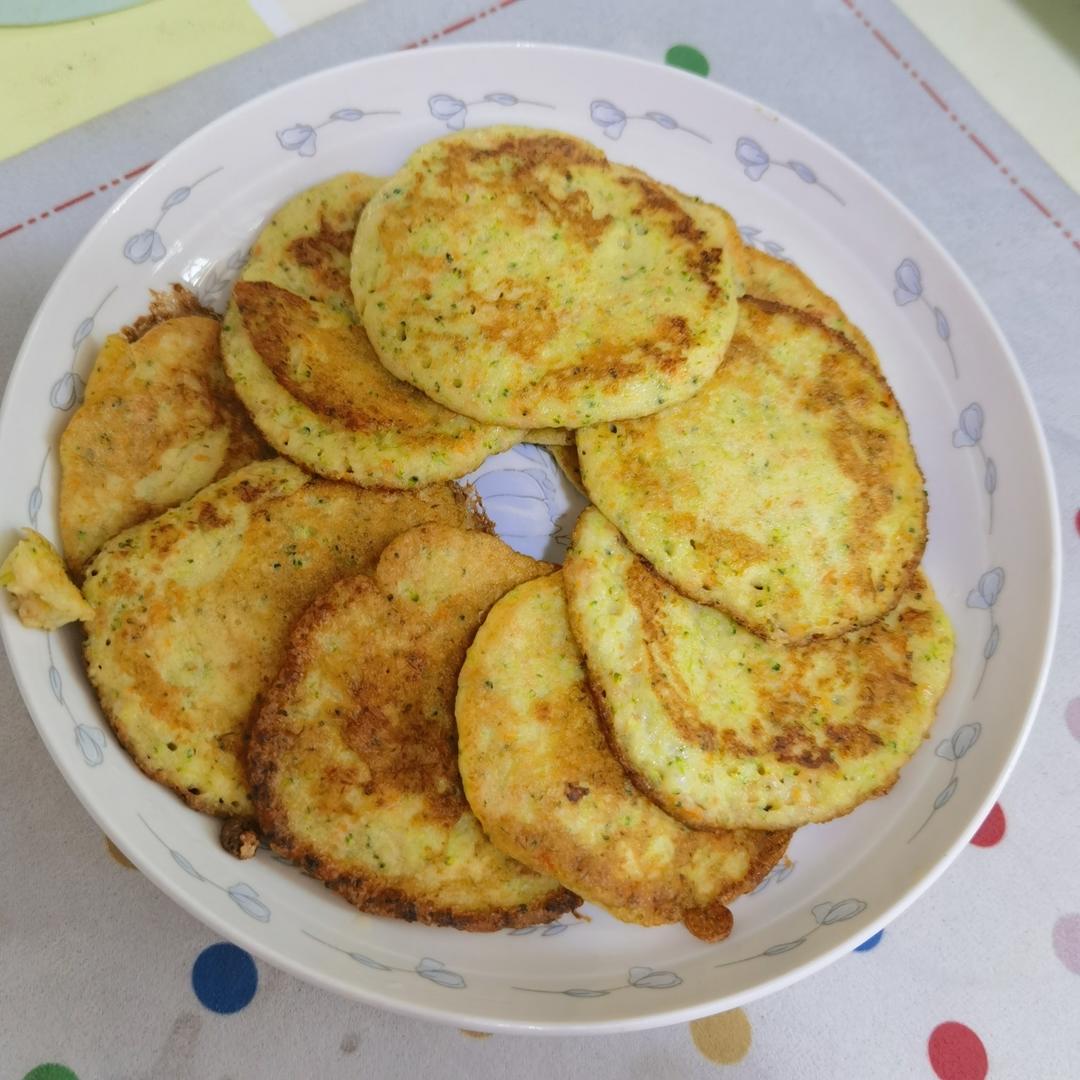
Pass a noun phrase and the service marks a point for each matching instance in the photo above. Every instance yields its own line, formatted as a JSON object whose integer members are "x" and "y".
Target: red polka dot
{"x": 956, "y": 1052}
{"x": 992, "y": 829}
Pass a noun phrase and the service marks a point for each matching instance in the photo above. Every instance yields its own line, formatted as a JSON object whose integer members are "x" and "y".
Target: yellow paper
{"x": 53, "y": 78}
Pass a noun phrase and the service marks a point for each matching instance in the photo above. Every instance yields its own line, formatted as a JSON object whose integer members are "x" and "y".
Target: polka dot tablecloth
{"x": 103, "y": 976}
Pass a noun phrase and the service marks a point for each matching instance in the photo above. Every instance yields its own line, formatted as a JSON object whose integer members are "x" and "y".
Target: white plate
{"x": 993, "y": 555}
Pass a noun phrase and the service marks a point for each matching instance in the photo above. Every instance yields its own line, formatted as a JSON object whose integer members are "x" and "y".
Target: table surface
{"x": 1023, "y": 56}
{"x": 103, "y": 976}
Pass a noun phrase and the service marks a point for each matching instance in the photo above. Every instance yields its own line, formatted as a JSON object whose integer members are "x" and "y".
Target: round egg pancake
{"x": 519, "y": 277}
{"x": 547, "y": 790}
{"x": 785, "y": 493}
{"x": 305, "y": 247}
{"x": 726, "y": 731}
{"x": 317, "y": 392}
{"x": 159, "y": 420}
{"x": 193, "y": 608}
{"x": 353, "y": 756}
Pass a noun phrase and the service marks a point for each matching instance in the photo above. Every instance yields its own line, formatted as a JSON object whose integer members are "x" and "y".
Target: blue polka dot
{"x": 224, "y": 978}
{"x": 870, "y": 942}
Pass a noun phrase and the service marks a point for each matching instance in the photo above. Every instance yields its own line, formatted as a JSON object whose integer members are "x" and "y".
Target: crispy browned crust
{"x": 394, "y": 904}
{"x": 267, "y": 745}
{"x": 172, "y": 304}
{"x": 711, "y": 923}
{"x": 240, "y": 837}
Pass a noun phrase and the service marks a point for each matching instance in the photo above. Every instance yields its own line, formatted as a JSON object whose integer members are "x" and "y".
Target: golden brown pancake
{"x": 548, "y": 791}
{"x": 519, "y": 277}
{"x": 786, "y": 493}
{"x": 319, "y": 395}
{"x": 726, "y": 731}
{"x": 159, "y": 421}
{"x": 353, "y": 756}
{"x": 192, "y": 610}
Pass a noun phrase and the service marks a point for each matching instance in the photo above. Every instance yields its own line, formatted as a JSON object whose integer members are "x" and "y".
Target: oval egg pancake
{"x": 192, "y": 610}
{"x": 724, "y": 730}
{"x": 159, "y": 421}
{"x": 353, "y": 756}
{"x": 548, "y": 791}
{"x": 317, "y": 391}
{"x": 786, "y": 493}
{"x": 519, "y": 277}
{"x": 305, "y": 247}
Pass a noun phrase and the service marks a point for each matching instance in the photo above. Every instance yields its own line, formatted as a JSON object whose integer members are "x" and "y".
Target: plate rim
{"x": 659, "y": 1017}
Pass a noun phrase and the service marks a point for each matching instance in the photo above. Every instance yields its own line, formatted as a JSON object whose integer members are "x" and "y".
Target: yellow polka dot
{"x": 118, "y": 855}
{"x": 724, "y": 1038}
{"x": 475, "y": 1034}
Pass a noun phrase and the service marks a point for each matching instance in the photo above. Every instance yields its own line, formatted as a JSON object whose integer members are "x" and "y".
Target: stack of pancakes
{"x": 332, "y": 642}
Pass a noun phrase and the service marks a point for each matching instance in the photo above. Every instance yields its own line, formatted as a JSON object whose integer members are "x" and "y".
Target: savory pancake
{"x": 192, "y": 610}
{"x": 305, "y": 246}
{"x": 353, "y": 756}
{"x": 766, "y": 277}
{"x": 158, "y": 422}
{"x": 786, "y": 493}
{"x": 541, "y": 779}
{"x": 317, "y": 392}
{"x": 519, "y": 277}
{"x": 726, "y": 731}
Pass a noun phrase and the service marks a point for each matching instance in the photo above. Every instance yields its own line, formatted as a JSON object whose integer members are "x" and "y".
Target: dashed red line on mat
{"x": 494, "y": 9}
{"x": 44, "y": 215}
{"x": 453, "y": 28}
{"x": 938, "y": 100}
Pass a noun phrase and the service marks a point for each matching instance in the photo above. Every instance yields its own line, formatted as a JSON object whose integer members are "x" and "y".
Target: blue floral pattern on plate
{"x": 241, "y": 894}
{"x": 612, "y": 120}
{"x": 67, "y": 391}
{"x": 427, "y": 967}
{"x": 551, "y": 929}
{"x": 780, "y": 872}
{"x": 908, "y": 289}
{"x": 212, "y": 284}
{"x": 637, "y": 978}
{"x": 752, "y": 238}
{"x": 303, "y": 139}
{"x": 985, "y": 596}
{"x": 970, "y": 433}
{"x": 454, "y": 111}
{"x": 148, "y": 246}
{"x": 756, "y": 162}
{"x": 827, "y": 913}
{"x": 963, "y": 739}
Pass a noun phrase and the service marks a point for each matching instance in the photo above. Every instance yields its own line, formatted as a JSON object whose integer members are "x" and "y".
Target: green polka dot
{"x": 688, "y": 58}
{"x": 50, "y": 1071}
